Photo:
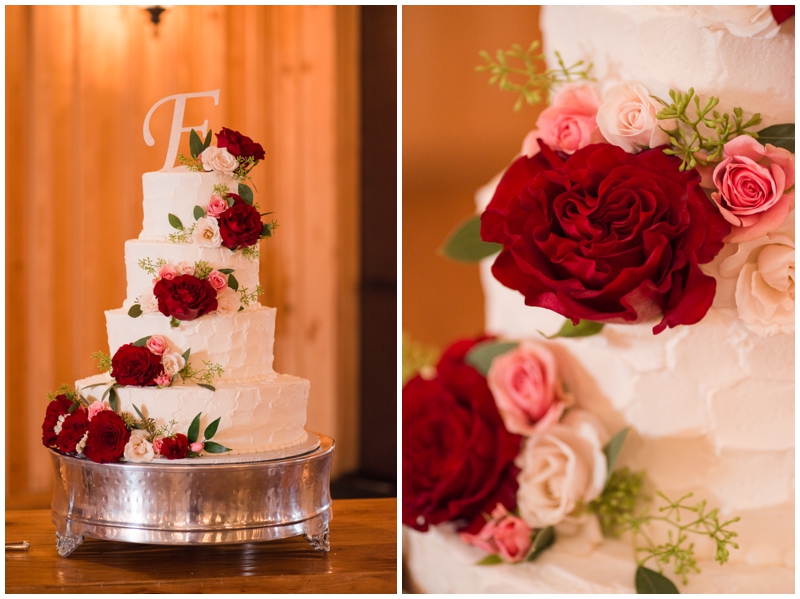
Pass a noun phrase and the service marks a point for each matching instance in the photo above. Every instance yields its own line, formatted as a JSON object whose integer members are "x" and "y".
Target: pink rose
{"x": 184, "y": 268}
{"x": 196, "y": 447}
{"x": 504, "y": 534}
{"x": 167, "y": 272}
{"x": 97, "y": 406}
{"x": 157, "y": 344}
{"x": 526, "y": 389}
{"x": 217, "y": 206}
{"x": 569, "y": 123}
{"x": 157, "y": 443}
{"x": 163, "y": 380}
{"x": 751, "y": 184}
{"x": 218, "y": 280}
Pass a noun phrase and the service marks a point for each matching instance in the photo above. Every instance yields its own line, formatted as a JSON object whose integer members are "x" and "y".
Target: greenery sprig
{"x": 700, "y": 139}
{"x": 617, "y": 503}
{"x": 533, "y": 85}
{"x": 416, "y": 356}
{"x": 150, "y": 267}
{"x": 203, "y": 377}
{"x": 247, "y": 297}
{"x": 103, "y": 360}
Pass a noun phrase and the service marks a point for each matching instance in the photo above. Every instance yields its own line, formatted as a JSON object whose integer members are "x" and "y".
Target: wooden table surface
{"x": 362, "y": 559}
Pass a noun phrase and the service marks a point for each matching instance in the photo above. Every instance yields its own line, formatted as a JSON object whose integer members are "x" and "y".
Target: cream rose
{"x": 627, "y": 118}
{"x": 219, "y": 160}
{"x": 148, "y": 302}
{"x": 185, "y": 268}
{"x": 560, "y": 468}
{"x": 206, "y": 233}
{"x": 228, "y": 302}
{"x": 172, "y": 362}
{"x": 138, "y": 448}
{"x": 741, "y": 21}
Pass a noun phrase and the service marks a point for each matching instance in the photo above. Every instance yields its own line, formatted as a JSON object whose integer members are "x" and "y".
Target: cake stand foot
{"x": 316, "y": 534}
{"x": 66, "y": 543}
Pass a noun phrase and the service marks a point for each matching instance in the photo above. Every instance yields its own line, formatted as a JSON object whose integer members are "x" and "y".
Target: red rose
{"x": 240, "y": 225}
{"x": 132, "y": 365}
{"x": 72, "y": 430}
{"x": 239, "y": 145}
{"x": 605, "y": 235}
{"x": 781, "y": 13}
{"x": 173, "y": 448}
{"x": 458, "y": 458}
{"x": 185, "y": 297}
{"x": 107, "y": 438}
{"x": 56, "y": 408}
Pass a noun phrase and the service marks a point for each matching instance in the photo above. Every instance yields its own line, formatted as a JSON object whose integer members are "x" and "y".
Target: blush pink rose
{"x": 217, "y": 206}
{"x": 569, "y": 123}
{"x": 526, "y": 389}
{"x": 97, "y": 406}
{"x": 504, "y": 534}
{"x": 217, "y": 279}
{"x": 167, "y": 272}
{"x": 751, "y": 184}
{"x": 185, "y": 268}
{"x": 157, "y": 344}
{"x": 196, "y": 447}
{"x": 164, "y": 380}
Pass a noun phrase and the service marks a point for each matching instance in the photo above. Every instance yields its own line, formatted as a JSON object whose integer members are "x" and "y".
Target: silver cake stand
{"x": 195, "y": 503}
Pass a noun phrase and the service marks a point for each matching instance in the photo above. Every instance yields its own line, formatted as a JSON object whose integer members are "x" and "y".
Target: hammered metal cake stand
{"x": 194, "y": 503}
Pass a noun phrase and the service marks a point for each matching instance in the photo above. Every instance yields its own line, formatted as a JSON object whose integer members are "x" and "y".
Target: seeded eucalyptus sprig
{"x": 540, "y": 83}
{"x": 700, "y": 139}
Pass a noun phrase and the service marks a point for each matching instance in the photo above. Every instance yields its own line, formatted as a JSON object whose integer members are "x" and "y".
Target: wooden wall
{"x": 79, "y": 81}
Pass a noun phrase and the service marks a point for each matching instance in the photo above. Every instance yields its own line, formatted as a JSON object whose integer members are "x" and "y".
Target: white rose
{"x": 148, "y": 302}
{"x": 627, "y": 118}
{"x": 185, "y": 268}
{"x": 764, "y": 268}
{"x": 741, "y": 21}
{"x": 228, "y": 302}
{"x": 561, "y": 467}
{"x": 173, "y": 362}
{"x": 81, "y": 445}
{"x": 219, "y": 160}
{"x": 138, "y": 448}
{"x": 206, "y": 233}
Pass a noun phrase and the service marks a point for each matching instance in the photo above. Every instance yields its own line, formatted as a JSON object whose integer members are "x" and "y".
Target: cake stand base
{"x": 193, "y": 504}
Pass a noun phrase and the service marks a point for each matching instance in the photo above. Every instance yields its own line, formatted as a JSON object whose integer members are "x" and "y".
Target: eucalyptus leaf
{"x": 266, "y": 230}
{"x": 113, "y": 399}
{"x": 174, "y": 322}
{"x": 542, "y": 540}
{"x": 94, "y": 385}
{"x": 613, "y": 448}
{"x": 107, "y": 391}
{"x": 208, "y": 140}
{"x": 465, "y": 243}
{"x": 490, "y": 560}
{"x": 211, "y": 429}
{"x": 480, "y": 357}
{"x": 198, "y": 213}
{"x": 141, "y": 342}
{"x": 196, "y": 146}
{"x": 135, "y": 311}
{"x": 175, "y": 221}
{"x": 233, "y": 283}
{"x": 73, "y": 407}
{"x": 781, "y": 136}
{"x": 211, "y": 447}
{"x": 194, "y": 429}
{"x": 651, "y": 582}
{"x": 246, "y": 194}
{"x": 138, "y": 411}
{"x": 226, "y": 271}
{"x": 209, "y": 387}
{"x": 186, "y": 355}
{"x": 584, "y": 328}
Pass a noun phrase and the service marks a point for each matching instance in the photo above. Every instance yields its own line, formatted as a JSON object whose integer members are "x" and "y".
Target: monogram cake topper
{"x": 177, "y": 123}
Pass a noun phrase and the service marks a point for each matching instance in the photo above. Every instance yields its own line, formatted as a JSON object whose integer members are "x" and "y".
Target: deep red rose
{"x": 107, "y": 438}
{"x": 239, "y": 145}
{"x": 607, "y": 236}
{"x": 58, "y": 407}
{"x": 174, "y": 448}
{"x": 185, "y": 297}
{"x": 72, "y": 430}
{"x": 240, "y": 225}
{"x": 132, "y": 365}
{"x": 458, "y": 458}
{"x": 782, "y": 12}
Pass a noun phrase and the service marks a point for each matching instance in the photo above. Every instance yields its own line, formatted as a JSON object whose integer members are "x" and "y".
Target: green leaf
{"x": 107, "y": 391}
{"x": 113, "y": 399}
{"x": 651, "y": 582}
{"x": 196, "y": 146}
{"x": 199, "y": 213}
{"x": 138, "y": 411}
{"x": 613, "y": 448}
{"x": 94, "y": 385}
{"x": 543, "y": 538}
{"x": 266, "y": 230}
{"x": 480, "y": 357}
{"x": 211, "y": 429}
{"x": 226, "y": 271}
{"x": 186, "y": 355}
{"x": 490, "y": 560}
{"x": 246, "y": 194}
{"x": 174, "y": 322}
{"x": 204, "y": 386}
{"x": 194, "y": 429}
{"x": 73, "y": 407}
{"x": 781, "y": 136}
{"x": 465, "y": 243}
{"x": 135, "y": 311}
{"x": 141, "y": 342}
{"x": 208, "y": 140}
{"x": 233, "y": 283}
{"x": 212, "y": 447}
{"x": 175, "y": 221}
{"x": 585, "y": 328}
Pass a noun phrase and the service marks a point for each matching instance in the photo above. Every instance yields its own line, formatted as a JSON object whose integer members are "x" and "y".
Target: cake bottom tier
{"x": 254, "y": 417}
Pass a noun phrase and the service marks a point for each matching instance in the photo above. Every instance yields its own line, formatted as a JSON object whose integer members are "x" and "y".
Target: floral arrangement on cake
{"x": 524, "y": 465}
{"x": 617, "y": 202}
{"x": 230, "y": 220}
{"x": 185, "y": 291}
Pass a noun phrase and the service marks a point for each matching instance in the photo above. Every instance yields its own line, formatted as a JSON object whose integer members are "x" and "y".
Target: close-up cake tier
{"x": 176, "y": 192}
{"x": 139, "y": 280}
{"x": 255, "y": 417}
{"x": 242, "y": 343}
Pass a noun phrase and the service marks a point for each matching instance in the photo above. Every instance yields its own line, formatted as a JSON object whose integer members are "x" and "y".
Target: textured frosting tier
{"x": 241, "y": 343}
{"x": 176, "y": 192}
{"x": 255, "y": 417}
{"x": 439, "y": 562}
{"x": 139, "y": 280}
{"x": 662, "y": 47}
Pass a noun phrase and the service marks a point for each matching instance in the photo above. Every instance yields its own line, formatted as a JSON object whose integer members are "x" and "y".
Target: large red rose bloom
{"x": 132, "y": 365}
{"x": 240, "y": 225}
{"x": 458, "y": 458}
{"x": 72, "y": 430}
{"x": 56, "y": 408}
{"x": 607, "y": 236}
{"x": 239, "y": 145}
{"x": 185, "y": 297}
{"x": 107, "y": 438}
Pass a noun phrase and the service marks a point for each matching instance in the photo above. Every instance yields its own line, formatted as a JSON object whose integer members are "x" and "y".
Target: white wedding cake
{"x": 710, "y": 406}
